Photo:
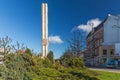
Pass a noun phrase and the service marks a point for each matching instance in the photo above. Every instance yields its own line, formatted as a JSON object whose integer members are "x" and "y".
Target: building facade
{"x": 1, "y": 55}
{"x": 101, "y": 42}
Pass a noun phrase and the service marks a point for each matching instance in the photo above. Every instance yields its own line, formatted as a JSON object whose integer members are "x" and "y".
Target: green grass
{"x": 108, "y": 75}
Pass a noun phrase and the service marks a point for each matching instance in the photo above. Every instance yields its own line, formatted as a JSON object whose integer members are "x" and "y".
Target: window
{"x": 96, "y": 52}
{"x": 100, "y": 41}
{"x": 104, "y": 52}
{"x": 104, "y": 60}
{"x": 97, "y": 42}
{"x": 111, "y": 51}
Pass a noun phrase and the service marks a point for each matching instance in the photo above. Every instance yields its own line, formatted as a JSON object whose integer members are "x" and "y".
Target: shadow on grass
{"x": 83, "y": 76}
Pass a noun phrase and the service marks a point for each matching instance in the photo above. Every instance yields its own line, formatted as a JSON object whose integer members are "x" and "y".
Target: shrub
{"x": 58, "y": 66}
{"x": 76, "y": 63}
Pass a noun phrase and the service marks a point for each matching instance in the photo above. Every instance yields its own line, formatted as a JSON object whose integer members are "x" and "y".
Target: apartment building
{"x": 101, "y": 42}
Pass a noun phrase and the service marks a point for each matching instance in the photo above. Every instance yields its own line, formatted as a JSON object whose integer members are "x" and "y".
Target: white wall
{"x": 117, "y": 48}
{"x": 110, "y": 32}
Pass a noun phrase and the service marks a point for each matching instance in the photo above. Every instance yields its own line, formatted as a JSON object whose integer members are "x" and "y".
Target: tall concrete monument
{"x": 44, "y": 29}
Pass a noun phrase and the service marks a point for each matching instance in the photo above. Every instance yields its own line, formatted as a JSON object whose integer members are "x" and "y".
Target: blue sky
{"x": 21, "y": 19}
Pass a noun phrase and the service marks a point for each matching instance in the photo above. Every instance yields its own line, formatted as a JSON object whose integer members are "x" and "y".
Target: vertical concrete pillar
{"x": 44, "y": 29}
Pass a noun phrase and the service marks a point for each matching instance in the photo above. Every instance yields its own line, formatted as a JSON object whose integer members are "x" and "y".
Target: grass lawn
{"x": 108, "y": 75}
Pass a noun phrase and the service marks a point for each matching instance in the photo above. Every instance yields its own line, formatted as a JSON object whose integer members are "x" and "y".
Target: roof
{"x": 98, "y": 27}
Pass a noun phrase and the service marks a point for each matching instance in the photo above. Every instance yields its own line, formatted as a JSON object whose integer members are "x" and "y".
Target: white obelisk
{"x": 44, "y": 29}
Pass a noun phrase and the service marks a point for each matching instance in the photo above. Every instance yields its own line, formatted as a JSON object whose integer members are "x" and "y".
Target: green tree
{"x": 28, "y": 51}
{"x": 15, "y": 66}
{"x": 74, "y": 50}
{"x": 58, "y": 66}
{"x": 76, "y": 63}
{"x": 50, "y": 56}
{"x": 46, "y": 63}
{"x": 3, "y": 71}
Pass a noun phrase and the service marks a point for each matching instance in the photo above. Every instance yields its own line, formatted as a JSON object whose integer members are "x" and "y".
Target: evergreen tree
{"x": 28, "y": 51}
{"x": 50, "y": 56}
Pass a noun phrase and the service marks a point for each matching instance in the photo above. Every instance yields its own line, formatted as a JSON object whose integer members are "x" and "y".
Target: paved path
{"x": 107, "y": 70}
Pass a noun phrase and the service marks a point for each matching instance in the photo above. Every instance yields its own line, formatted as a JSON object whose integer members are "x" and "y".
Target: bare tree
{"x": 18, "y": 46}
{"x": 5, "y": 44}
{"x": 76, "y": 44}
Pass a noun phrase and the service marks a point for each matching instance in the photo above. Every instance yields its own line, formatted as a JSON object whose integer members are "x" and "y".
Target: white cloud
{"x": 55, "y": 39}
{"x": 87, "y": 27}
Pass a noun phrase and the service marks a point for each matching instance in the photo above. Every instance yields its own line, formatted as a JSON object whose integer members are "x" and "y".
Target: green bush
{"x": 76, "y": 63}
{"x": 31, "y": 67}
{"x": 46, "y": 63}
{"x": 58, "y": 66}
